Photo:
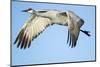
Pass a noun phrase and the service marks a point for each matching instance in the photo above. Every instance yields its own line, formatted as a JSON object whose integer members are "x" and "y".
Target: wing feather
{"x": 31, "y": 30}
{"x": 74, "y": 33}
{"x": 74, "y": 25}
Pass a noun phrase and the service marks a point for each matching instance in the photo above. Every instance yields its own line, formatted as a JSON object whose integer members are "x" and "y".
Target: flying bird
{"x": 41, "y": 19}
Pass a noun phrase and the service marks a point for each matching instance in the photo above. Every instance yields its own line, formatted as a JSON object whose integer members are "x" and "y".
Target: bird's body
{"x": 40, "y": 20}
{"x": 53, "y": 15}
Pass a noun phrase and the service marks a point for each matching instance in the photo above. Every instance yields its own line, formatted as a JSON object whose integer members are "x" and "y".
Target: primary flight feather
{"x": 40, "y": 20}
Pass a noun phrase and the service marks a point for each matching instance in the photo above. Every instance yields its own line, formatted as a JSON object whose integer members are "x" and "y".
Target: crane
{"x": 41, "y": 19}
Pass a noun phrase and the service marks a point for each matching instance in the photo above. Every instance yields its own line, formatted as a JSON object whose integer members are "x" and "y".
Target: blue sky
{"x": 50, "y": 46}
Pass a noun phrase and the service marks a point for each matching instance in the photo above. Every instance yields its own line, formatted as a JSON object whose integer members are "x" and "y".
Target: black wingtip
{"x": 68, "y": 37}
{"x": 16, "y": 40}
{"x": 72, "y": 40}
{"x": 14, "y": 43}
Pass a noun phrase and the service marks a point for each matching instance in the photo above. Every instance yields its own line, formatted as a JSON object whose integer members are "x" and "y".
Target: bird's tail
{"x": 86, "y": 32}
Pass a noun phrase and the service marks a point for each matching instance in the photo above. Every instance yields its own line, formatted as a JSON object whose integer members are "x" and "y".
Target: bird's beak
{"x": 24, "y": 10}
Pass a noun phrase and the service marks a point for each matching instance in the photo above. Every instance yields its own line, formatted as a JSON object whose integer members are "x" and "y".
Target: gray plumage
{"x": 40, "y": 20}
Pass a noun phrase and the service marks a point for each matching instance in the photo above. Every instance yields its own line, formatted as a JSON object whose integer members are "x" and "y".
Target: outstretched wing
{"x": 74, "y": 24}
{"x": 30, "y": 30}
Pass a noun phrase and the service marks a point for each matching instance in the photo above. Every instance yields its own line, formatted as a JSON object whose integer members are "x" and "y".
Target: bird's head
{"x": 29, "y": 10}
